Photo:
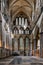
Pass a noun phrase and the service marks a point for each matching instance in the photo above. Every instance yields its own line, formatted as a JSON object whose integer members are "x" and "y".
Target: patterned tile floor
{"x": 22, "y": 60}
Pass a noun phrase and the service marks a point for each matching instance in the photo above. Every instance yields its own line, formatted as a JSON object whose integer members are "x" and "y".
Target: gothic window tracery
{"x": 21, "y": 31}
{"x": 15, "y": 30}
{"x": 27, "y": 31}
{"x": 22, "y": 22}
{"x": 27, "y": 42}
{"x": 21, "y": 44}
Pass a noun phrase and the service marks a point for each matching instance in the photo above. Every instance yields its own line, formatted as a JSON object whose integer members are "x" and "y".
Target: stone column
{"x": 31, "y": 49}
{"x": 12, "y": 45}
{"x": 35, "y": 44}
{"x": 18, "y": 45}
{"x": 41, "y": 44}
{"x": 24, "y": 48}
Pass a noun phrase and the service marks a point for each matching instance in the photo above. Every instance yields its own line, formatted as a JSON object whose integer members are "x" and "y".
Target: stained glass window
{"x": 21, "y": 44}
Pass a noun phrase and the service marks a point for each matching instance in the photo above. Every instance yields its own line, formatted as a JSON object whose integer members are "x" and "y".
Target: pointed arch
{"x": 21, "y": 43}
{"x": 27, "y": 30}
{"x": 16, "y": 31}
{"x": 21, "y": 10}
{"x": 27, "y": 41}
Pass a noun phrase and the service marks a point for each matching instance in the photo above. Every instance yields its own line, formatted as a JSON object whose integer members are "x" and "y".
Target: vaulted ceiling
{"x": 28, "y": 1}
{"x": 25, "y": 6}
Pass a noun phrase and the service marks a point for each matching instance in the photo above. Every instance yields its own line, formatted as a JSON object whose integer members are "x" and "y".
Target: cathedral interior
{"x": 21, "y": 27}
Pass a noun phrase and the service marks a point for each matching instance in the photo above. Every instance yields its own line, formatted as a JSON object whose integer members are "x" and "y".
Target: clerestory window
{"x": 21, "y": 21}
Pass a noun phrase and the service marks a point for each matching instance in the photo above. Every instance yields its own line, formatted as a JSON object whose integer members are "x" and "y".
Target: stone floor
{"x": 22, "y": 60}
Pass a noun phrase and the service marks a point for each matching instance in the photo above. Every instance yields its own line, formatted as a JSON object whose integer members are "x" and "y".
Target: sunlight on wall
{"x": 38, "y": 44}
